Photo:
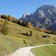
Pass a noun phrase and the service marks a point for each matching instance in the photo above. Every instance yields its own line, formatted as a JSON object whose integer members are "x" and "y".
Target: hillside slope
{"x": 16, "y": 38}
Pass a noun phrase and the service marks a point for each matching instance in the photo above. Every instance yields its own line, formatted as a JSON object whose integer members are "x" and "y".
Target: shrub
{"x": 29, "y": 33}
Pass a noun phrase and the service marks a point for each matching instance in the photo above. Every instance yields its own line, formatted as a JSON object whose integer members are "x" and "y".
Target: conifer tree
{"x": 5, "y": 27}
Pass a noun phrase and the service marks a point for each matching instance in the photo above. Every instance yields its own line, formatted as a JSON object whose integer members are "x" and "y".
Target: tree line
{"x": 12, "y": 19}
{"x": 20, "y": 22}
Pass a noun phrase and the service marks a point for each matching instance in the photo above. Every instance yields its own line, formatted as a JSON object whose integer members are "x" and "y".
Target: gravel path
{"x": 26, "y": 51}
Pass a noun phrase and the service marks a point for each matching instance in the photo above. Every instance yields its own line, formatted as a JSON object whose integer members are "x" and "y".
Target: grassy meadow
{"x": 16, "y": 39}
{"x": 45, "y": 51}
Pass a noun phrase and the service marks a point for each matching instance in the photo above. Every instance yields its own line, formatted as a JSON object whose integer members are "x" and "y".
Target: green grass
{"x": 45, "y": 51}
{"x": 8, "y": 44}
{"x": 14, "y": 40}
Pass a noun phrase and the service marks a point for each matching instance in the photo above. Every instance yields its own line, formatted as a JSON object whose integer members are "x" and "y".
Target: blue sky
{"x": 17, "y": 8}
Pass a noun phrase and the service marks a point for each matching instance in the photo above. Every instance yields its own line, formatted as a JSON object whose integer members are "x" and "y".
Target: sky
{"x": 17, "y": 8}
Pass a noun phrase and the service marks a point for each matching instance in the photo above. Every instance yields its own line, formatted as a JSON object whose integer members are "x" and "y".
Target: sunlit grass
{"x": 15, "y": 39}
{"x": 45, "y": 51}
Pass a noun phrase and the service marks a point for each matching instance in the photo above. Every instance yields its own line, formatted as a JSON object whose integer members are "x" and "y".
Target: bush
{"x": 29, "y": 33}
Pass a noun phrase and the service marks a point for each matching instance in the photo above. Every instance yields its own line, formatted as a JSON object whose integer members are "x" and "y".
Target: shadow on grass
{"x": 24, "y": 34}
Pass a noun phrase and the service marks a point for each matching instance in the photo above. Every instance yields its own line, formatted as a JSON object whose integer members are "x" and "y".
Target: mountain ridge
{"x": 43, "y": 17}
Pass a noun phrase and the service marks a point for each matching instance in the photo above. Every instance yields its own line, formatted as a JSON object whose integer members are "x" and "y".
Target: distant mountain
{"x": 53, "y": 27}
{"x": 43, "y": 17}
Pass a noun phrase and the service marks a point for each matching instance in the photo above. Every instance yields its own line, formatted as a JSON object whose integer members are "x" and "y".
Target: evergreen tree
{"x": 5, "y": 27}
{"x": 19, "y": 22}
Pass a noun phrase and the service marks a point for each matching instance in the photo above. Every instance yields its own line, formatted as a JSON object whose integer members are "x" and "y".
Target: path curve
{"x": 25, "y": 51}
